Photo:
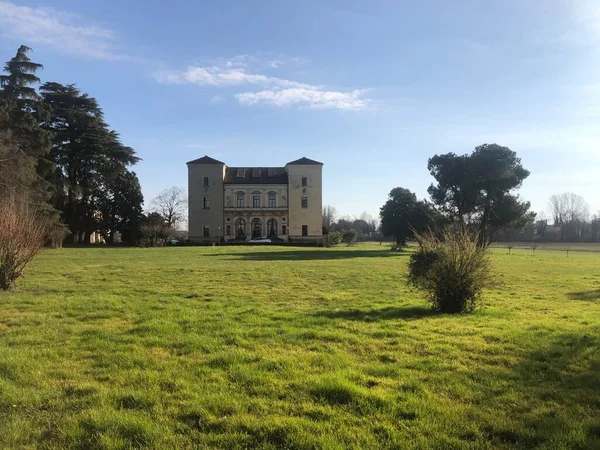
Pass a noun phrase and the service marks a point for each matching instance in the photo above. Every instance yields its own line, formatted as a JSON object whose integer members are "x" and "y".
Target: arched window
{"x": 240, "y": 229}
{"x": 256, "y": 225}
{"x": 228, "y": 230}
{"x": 272, "y": 227}
{"x": 283, "y": 230}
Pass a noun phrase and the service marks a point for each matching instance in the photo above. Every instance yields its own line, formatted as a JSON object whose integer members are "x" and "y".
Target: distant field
{"x": 554, "y": 246}
{"x": 276, "y": 347}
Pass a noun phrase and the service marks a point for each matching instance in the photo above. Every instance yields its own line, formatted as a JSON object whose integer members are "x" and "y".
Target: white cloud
{"x": 217, "y": 99}
{"x": 220, "y": 76}
{"x": 275, "y": 91}
{"x": 312, "y": 97}
{"x": 64, "y": 31}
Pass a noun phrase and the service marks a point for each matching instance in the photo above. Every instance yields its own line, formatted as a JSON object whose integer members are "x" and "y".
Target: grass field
{"x": 242, "y": 347}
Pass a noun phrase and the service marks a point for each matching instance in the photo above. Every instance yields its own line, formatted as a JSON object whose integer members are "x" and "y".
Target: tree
{"x": 329, "y": 216}
{"x": 171, "y": 204}
{"x": 595, "y": 228}
{"x": 403, "y": 213}
{"x": 334, "y": 238}
{"x": 86, "y": 154}
{"x": 121, "y": 207}
{"x": 24, "y": 143}
{"x": 476, "y": 190}
{"x": 570, "y": 212}
{"x": 349, "y": 236}
{"x": 541, "y": 225}
{"x": 155, "y": 231}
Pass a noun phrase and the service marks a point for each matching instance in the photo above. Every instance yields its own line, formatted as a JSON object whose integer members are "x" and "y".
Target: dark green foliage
{"x": 475, "y": 190}
{"x": 91, "y": 166}
{"x": 121, "y": 207}
{"x": 349, "y": 236}
{"x": 403, "y": 214}
{"x": 57, "y": 150}
{"x": 24, "y": 144}
{"x": 334, "y": 238}
{"x": 451, "y": 268}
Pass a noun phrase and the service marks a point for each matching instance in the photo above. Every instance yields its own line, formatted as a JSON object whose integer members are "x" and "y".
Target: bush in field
{"x": 56, "y": 234}
{"x": 155, "y": 231}
{"x": 451, "y": 269}
{"x": 334, "y": 238}
{"x": 22, "y": 235}
{"x": 349, "y": 237}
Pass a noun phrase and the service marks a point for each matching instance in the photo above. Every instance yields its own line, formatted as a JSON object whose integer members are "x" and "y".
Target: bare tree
{"x": 22, "y": 234}
{"x": 570, "y": 212}
{"x": 329, "y": 216}
{"x": 171, "y": 204}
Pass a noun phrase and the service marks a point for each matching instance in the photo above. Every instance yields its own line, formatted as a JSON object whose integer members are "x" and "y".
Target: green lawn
{"x": 275, "y": 347}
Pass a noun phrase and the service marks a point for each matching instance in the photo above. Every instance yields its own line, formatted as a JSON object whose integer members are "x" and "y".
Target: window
{"x": 240, "y": 201}
{"x": 205, "y": 181}
{"x": 272, "y": 201}
{"x": 240, "y": 228}
{"x": 228, "y": 230}
{"x": 256, "y": 201}
{"x": 272, "y": 227}
{"x": 206, "y": 204}
{"x": 304, "y": 181}
{"x": 305, "y": 202}
{"x": 206, "y": 231}
{"x": 256, "y": 226}
{"x": 304, "y": 230}
{"x": 283, "y": 229}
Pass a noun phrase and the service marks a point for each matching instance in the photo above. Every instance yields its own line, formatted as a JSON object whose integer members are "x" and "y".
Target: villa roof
{"x": 255, "y": 175}
{"x": 305, "y": 162}
{"x": 205, "y": 160}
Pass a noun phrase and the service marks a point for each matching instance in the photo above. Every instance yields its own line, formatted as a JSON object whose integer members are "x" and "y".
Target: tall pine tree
{"x": 24, "y": 145}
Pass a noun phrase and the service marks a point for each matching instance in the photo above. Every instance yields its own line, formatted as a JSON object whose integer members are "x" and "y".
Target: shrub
{"x": 22, "y": 236}
{"x": 56, "y": 234}
{"x": 334, "y": 238}
{"x": 451, "y": 269}
{"x": 349, "y": 237}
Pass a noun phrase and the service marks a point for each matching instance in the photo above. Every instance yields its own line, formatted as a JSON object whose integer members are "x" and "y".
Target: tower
{"x": 205, "y": 199}
{"x": 305, "y": 185}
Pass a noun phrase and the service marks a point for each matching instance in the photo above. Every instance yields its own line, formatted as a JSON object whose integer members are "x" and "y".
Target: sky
{"x": 370, "y": 88}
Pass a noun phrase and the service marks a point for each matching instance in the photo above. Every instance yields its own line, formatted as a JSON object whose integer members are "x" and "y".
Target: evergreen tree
{"x": 121, "y": 207}
{"x": 87, "y": 156}
{"x": 25, "y": 144}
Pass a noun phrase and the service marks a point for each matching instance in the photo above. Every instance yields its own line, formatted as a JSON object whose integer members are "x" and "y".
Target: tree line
{"x": 568, "y": 220}
{"x": 476, "y": 192}
{"x": 59, "y": 155}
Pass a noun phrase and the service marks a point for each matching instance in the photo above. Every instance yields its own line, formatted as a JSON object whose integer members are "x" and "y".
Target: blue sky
{"x": 371, "y": 89}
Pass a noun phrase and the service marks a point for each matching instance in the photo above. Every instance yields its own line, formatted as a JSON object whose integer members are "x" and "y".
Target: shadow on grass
{"x": 375, "y": 315}
{"x": 585, "y": 295}
{"x": 323, "y": 254}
